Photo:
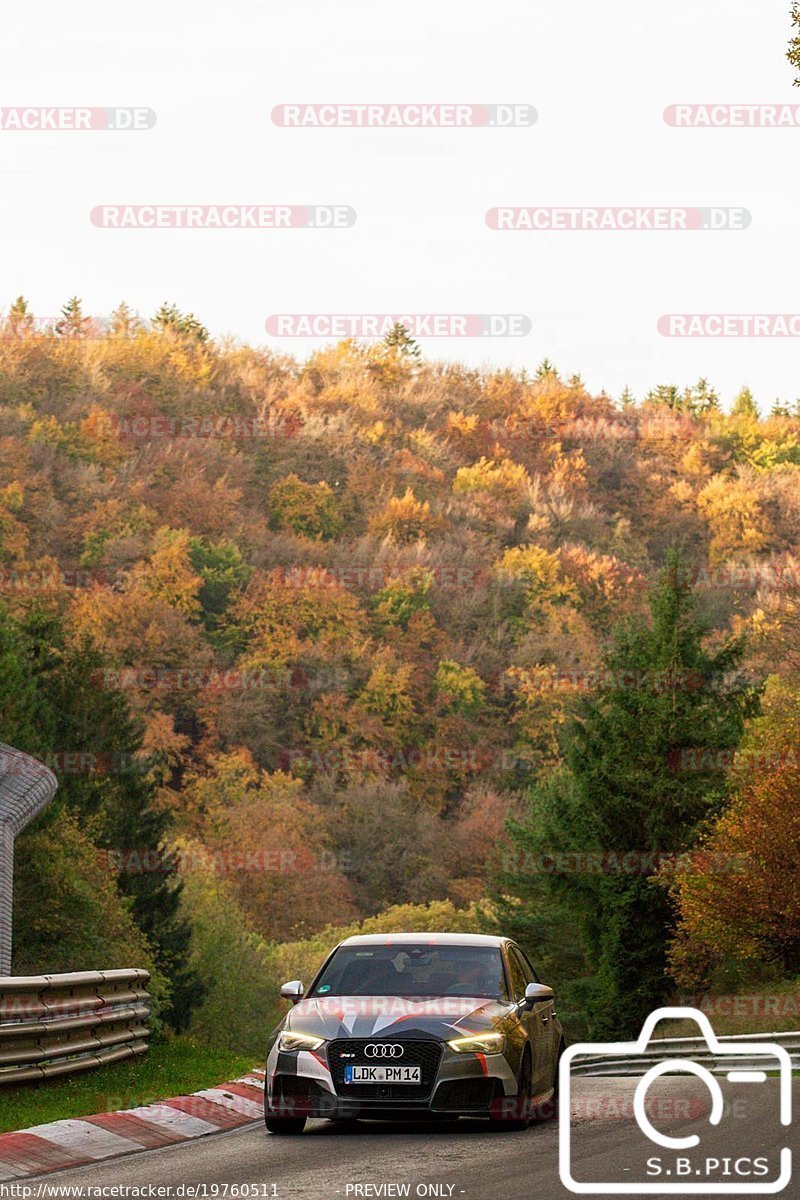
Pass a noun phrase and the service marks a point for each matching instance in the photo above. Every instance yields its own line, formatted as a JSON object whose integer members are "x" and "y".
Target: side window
{"x": 529, "y": 965}
{"x": 518, "y": 980}
{"x": 527, "y": 973}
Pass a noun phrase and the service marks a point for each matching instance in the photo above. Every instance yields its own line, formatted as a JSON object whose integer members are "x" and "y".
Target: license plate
{"x": 381, "y": 1074}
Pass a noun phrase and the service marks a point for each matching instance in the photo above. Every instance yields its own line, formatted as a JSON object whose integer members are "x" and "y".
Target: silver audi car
{"x": 410, "y": 1025}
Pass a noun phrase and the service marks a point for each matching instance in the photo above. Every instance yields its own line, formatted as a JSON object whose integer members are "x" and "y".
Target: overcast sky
{"x": 599, "y": 76}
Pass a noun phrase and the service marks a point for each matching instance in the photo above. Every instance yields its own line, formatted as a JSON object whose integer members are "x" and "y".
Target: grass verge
{"x": 172, "y": 1067}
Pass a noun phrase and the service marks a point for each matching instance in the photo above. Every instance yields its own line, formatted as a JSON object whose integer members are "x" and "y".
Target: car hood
{"x": 390, "y": 1016}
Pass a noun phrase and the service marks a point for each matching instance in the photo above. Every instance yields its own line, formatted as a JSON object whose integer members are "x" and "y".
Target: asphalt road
{"x": 464, "y": 1159}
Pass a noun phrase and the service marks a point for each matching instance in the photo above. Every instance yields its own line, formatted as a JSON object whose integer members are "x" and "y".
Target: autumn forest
{"x": 308, "y": 639}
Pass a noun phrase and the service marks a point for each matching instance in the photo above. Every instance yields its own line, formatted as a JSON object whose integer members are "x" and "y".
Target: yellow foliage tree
{"x": 542, "y": 574}
{"x": 168, "y": 574}
{"x": 739, "y": 526}
{"x": 284, "y": 615}
{"x": 404, "y": 519}
{"x": 500, "y": 479}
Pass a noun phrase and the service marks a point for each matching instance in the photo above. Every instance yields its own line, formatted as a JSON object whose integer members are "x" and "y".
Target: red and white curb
{"x": 60, "y": 1145}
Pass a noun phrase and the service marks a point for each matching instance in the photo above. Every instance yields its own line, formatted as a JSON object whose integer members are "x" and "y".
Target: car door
{"x": 535, "y": 1020}
{"x": 549, "y": 1023}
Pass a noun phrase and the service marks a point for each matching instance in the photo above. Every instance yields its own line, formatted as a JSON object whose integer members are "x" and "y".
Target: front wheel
{"x": 286, "y": 1126}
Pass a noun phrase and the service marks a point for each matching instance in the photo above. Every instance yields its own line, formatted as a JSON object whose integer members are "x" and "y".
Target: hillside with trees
{"x": 305, "y": 640}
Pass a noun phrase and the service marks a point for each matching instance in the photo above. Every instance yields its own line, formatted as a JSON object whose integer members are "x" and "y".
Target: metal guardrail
{"x": 54, "y": 1025}
{"x": 26, "y": 787}
{"x": 695, "y": 1049}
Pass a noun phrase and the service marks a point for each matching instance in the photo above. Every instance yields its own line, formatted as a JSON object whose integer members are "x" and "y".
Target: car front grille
{"x": 417, "y": 1053}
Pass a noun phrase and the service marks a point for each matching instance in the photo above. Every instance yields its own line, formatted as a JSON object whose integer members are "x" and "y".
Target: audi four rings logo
{"x": 383, "y": 1050}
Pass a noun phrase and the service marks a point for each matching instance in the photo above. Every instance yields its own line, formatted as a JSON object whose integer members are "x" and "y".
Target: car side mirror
{"x": 538, "y": 993}
{"x": 293, "y": 991}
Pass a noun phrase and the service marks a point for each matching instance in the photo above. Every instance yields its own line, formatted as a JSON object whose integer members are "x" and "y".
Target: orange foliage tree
{"x": 738, "y": 894}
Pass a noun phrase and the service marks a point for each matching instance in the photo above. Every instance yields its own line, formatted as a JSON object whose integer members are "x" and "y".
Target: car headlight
{"x": 289, "y": 1040}
{"x": 479, "y": 1043}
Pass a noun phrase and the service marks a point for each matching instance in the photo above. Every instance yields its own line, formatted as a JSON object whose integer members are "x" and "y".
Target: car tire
{"x": 525, "y": 1095}
{"x": 285, "y": 1126}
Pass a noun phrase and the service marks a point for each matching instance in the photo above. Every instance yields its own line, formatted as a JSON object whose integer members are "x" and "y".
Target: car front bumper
{"x": 301, "y": 1084}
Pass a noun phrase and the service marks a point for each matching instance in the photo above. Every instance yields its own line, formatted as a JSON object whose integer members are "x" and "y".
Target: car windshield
{"x": 413, "y": 970}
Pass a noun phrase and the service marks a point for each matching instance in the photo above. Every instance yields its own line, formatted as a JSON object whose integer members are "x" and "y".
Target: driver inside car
{"x": 476, "y": 978}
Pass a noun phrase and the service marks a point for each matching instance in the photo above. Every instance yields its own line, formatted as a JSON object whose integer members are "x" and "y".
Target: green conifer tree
{"x": 124, "y": 321}
{"x": 623, "y": 801}
{"x": 170, "y": 320}
{"x": 744, "y": 405}
{"x": 20, "y": 318}
{"x": 401, "y": 342}
{"x": 73, "y": 323}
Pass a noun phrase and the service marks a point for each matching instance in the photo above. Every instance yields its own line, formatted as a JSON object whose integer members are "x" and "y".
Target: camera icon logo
{"x": 684, "y": 1168}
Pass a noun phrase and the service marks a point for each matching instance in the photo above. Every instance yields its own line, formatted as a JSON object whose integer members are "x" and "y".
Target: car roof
{"x": 428, "y": 939}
